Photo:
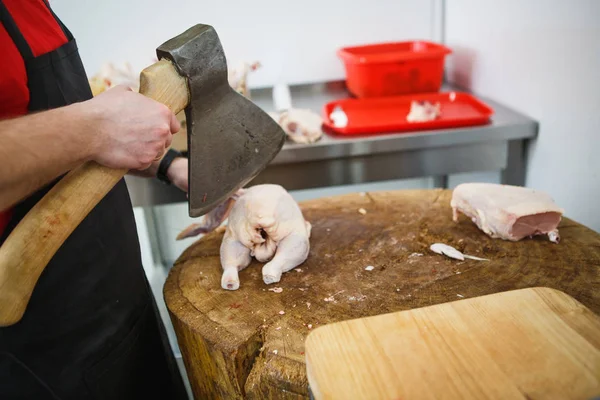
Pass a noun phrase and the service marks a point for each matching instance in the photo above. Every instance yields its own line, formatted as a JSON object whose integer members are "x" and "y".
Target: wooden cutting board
{"x": 535, "y": 343}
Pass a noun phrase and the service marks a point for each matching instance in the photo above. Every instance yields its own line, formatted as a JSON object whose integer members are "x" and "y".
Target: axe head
{"x": 230, "y": 139}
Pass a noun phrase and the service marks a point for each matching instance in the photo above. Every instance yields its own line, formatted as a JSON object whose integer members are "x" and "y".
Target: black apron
{"x": 92, "y": 329}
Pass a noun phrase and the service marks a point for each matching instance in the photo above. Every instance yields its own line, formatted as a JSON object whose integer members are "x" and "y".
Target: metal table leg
{"x": 440, "y": 181}
{"x": 153, "y": 235}
{"x": 514, "y": 174}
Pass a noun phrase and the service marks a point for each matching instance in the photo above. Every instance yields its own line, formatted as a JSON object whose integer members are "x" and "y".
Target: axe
{"x": 230, "y": 141}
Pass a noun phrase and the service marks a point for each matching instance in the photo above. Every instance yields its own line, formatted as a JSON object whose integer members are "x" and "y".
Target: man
{"x": 91, "y": 329}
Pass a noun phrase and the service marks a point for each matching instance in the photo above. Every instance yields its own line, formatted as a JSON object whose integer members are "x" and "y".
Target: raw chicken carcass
{"x": 110, "y": 76}
{"x": 265, "y": 222}
{"x": 300, "y": 125}
{"x": 238, "y": 77}
{"x": 507, "y": 212}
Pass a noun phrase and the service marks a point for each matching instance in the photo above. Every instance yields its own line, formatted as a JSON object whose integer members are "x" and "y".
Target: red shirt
{"x": 43, "y": 34}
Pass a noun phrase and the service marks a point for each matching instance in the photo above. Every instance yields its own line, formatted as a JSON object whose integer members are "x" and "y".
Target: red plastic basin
{"x": 389, "y": 69}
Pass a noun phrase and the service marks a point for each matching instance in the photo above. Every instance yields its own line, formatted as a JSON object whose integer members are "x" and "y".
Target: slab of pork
{"x": 507, "y": 212}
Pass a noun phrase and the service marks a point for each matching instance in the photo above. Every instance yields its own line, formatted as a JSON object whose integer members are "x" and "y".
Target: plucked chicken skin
{"x": 266, "y": 223}
{"x": 507, "y": 212}
{"x": 238, "y": 77}
{"x": 423, "y": 111}
{"x": 300, "y": 125}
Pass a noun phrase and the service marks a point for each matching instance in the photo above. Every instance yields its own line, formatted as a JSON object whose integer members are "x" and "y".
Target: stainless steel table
{"x": 336, "y": 160}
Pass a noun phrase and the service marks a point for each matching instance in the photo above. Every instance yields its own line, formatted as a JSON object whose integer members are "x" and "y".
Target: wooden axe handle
{"x": 35, "y": 240}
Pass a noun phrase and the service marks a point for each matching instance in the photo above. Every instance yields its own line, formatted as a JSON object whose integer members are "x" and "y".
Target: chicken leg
{"x": 234, "y": 258}
{"x": 291, "y": 252}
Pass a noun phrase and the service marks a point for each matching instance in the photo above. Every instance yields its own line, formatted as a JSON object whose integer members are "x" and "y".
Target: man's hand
{"x": 119, "y": 129}
{"x": 178, "y": 173}
{"x": 130, "y": 130}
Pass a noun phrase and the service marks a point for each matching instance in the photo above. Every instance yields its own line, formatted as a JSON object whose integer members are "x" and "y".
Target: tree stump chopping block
{"x": 249, "y": 343}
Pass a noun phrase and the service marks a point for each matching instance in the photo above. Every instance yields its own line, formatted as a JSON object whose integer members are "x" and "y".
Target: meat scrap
{"x": 266, "y": 223}
{"x": 449, "y": 251}
{"x": 339, "y": 117}
{"x": 507, "y": 212}
{"x": 110, "y": 76}
{"x": 423, "y": 111}
{"x": 300, "y": 125}
{"x": 238, "y": 77}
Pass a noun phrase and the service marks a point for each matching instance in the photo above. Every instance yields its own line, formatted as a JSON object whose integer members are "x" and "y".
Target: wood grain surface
{"x": 534, "y": 343}
{"x": 239, "y": 344}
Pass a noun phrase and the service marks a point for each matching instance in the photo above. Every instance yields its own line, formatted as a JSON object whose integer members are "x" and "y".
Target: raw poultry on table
{"x": 300, "y": 125}
{"x": 266, "y": 223}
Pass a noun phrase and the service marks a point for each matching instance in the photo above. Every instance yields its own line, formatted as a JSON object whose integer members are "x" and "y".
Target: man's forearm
{"x": 118, "y": 128}
{"x": 37, "y": 148}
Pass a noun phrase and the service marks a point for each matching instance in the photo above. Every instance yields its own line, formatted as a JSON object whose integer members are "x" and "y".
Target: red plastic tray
{"x": 388, "y": 114}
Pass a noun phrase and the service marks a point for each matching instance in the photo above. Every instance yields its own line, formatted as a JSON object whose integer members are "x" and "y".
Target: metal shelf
{"x": 343, "y": 160}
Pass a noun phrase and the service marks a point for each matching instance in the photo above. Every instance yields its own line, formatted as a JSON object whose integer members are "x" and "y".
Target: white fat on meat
{"x": 339, "y": 117}
{"x": 422, "y": 111}
{"x": 507, "y": 212}
{"x": 300, "y": 125}
{"x": 265, "y": 222}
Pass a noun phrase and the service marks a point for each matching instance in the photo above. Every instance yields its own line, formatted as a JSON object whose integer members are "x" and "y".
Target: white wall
{"x": 541, "y": 57}
{"x": 295, "y": 41}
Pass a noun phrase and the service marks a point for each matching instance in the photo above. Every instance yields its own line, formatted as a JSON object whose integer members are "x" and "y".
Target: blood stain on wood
{"x": 53, "y": 220}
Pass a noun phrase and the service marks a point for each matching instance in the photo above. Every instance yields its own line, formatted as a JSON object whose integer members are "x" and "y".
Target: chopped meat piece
{"x": 441, "y": 248}
{"x": 238, "y": 77}
{"x": 339, "y": 117}
{"x": 507, "y": 212}
{"x": 422, "y": 111}
{"x": 301, "y": 126}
